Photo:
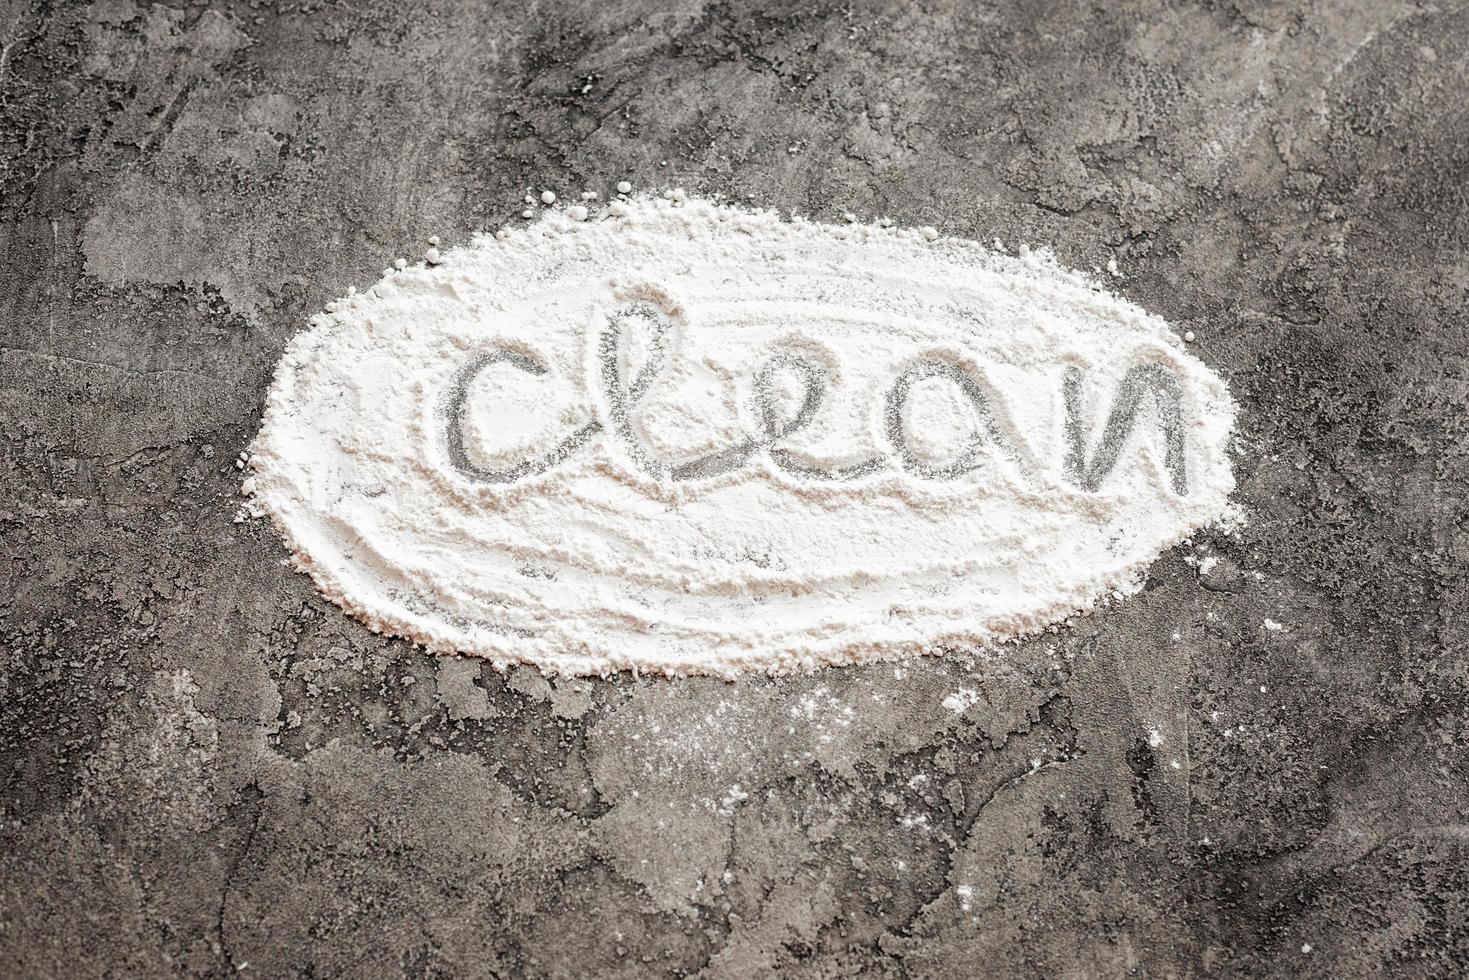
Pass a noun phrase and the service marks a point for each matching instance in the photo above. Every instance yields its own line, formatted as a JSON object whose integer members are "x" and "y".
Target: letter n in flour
{"x": 1139, "y": 382}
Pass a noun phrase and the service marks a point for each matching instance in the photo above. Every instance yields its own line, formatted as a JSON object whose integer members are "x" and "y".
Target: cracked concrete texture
{"x": 206, "y": 770}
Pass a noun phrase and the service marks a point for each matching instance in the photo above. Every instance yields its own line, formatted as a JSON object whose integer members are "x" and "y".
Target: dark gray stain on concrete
{"x": 206, "y": 770}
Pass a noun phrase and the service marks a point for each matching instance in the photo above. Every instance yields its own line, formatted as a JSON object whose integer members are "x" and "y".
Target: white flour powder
{"x": 688, "y": 438}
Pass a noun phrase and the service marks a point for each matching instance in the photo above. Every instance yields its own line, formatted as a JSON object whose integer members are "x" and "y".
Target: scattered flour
{"x": 689, "y": 438}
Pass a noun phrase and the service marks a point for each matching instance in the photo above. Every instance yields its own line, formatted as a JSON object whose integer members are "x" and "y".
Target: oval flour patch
{"x": 688, "y": 438}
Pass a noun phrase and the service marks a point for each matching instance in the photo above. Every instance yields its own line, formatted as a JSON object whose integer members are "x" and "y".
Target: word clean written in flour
{"x": 691, "y": 438}
{"x": 778, "y": 425}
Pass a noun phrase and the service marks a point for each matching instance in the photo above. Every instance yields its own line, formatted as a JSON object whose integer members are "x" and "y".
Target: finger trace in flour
{"x": 689, "y": 438}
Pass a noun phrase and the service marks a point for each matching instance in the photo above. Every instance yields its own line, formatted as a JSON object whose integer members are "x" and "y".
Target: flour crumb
{"x": 733, "y": 798}
{"x": 961, "y": 700}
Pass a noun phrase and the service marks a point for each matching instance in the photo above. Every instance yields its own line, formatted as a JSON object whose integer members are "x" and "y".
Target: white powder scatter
{"x": 685, "y": 437}
{"x": 1207, "y": 563}
{"x": 623, "y": 187}
{"x": 823, "y": 714}
{"x": 548, "y": 197}
{"x": 1273, "y": 626}
{"x": 1155, "y": 738}
{"x": 733, "y": 798}
{"x": 961, "y": 700}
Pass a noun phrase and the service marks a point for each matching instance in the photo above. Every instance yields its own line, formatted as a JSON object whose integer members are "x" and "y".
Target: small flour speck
{"x": 961, "y": 700}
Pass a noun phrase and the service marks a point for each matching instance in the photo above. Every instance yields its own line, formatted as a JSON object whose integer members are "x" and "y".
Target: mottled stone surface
{"x": 206, "y": 770}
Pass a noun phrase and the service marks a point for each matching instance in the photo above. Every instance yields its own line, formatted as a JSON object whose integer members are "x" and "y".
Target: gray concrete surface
{"x": 206, "y": 770}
